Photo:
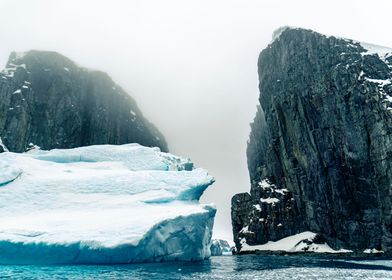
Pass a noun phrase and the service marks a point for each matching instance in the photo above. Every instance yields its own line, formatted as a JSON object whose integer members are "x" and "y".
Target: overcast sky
{"x": 191, "y": 65}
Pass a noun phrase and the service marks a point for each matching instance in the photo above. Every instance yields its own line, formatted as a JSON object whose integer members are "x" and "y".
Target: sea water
{"x": 225, "y": 267}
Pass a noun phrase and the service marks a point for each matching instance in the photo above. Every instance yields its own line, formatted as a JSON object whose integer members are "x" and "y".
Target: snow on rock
{"x": 374, "y": 49}
{"x": 245, "y": 230}
{"x": 266, "y": 185}
{"x": 373, "y": 251}
{"x": 2, "y": 146}
{"x": 269, "y": 200}
{"x": 301, "y": 242}
{"x": 102, "y": 204}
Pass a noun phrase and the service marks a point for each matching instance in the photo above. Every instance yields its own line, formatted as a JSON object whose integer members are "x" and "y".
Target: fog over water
{"x": 191, "y": 65}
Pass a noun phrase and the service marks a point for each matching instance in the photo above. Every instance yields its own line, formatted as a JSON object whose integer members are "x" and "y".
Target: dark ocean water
{"x": 226, "y": 267}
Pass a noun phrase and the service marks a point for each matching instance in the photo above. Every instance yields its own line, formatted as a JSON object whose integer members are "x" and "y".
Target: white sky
{"x": 191, "y": 65}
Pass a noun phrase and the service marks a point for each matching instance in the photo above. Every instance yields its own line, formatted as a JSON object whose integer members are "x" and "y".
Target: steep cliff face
{"x": 319, "y": 153}
{"x": 49, "y": 101}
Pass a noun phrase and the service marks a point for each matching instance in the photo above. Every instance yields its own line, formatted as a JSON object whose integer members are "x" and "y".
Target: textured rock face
{"x": 47, "y": 100}
{"x": 319, "y": 153}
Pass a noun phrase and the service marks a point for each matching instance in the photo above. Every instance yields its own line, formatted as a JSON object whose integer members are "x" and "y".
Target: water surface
{"x": 225, "y": 267}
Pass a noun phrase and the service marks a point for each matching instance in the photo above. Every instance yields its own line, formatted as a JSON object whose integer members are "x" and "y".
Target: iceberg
{"x": 220, "y": 247}
{"x": 102, "y": 204}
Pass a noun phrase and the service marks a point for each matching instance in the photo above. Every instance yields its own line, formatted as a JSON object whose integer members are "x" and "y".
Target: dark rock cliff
{"x": 49, "y": 101}
{"x": 320, "y": 147}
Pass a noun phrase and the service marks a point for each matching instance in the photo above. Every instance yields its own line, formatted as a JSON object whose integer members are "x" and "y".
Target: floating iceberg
{"x": 220, "y": 247}
{"x": 102, "y": 204}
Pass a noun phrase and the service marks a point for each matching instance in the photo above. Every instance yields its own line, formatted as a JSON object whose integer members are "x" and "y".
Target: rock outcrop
{"x": 49, "y": 101}
{"x": 320, "y": 147}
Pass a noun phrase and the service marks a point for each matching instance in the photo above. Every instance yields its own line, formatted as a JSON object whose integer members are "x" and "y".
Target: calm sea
{"x": 226, "y": 267}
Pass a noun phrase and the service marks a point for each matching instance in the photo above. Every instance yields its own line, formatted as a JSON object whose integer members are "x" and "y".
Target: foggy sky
{"x": 190, "y": 65}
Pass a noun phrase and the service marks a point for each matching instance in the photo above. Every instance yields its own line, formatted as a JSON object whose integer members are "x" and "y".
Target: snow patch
{"x": 373, "y": 251}
{"x": 269, "y": 200}
{"x": 374, "y": 49}
{"x": 266, "y": 185}
{"x": 378, "y": 81}
{"x": 294, "y": 243}
{"x": 245, "y": 230}
{"x": 2, "y": 145}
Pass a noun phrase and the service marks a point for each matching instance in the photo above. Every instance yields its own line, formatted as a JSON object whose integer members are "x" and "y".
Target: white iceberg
{"x": 102, "y": 204}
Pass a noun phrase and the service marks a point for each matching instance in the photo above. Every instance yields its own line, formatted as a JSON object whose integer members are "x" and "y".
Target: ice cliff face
{"x": 49, "y": 101}
{"x": 102, "y": 204}
{"x": 319, "y": 153}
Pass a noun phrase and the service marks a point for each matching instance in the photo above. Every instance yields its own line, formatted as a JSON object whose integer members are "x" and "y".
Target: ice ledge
{"x": 301, "y": 242}
{"x": 102, "y": 204}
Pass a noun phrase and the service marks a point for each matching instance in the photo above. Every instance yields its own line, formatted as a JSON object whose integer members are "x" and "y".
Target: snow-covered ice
{"x": 102, "y": 204}
{"x": 301, "y": 242}
{"x": 373, "y": 251}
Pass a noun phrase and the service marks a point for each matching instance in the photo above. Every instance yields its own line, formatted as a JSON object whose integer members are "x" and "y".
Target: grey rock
{"x": 320, "y": 147}
{"x": 49, "y": 101}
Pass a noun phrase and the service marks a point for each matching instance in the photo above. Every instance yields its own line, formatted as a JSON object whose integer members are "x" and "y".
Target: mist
{"x": 190, "y": 65}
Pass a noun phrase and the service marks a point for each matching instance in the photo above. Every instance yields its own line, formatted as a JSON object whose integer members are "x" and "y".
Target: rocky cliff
{"x": 320, "y": 147}
{"x": 49, "y": 101}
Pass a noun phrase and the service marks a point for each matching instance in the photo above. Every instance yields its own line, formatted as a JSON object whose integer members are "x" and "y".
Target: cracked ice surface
{"x": 102, "y": 204}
